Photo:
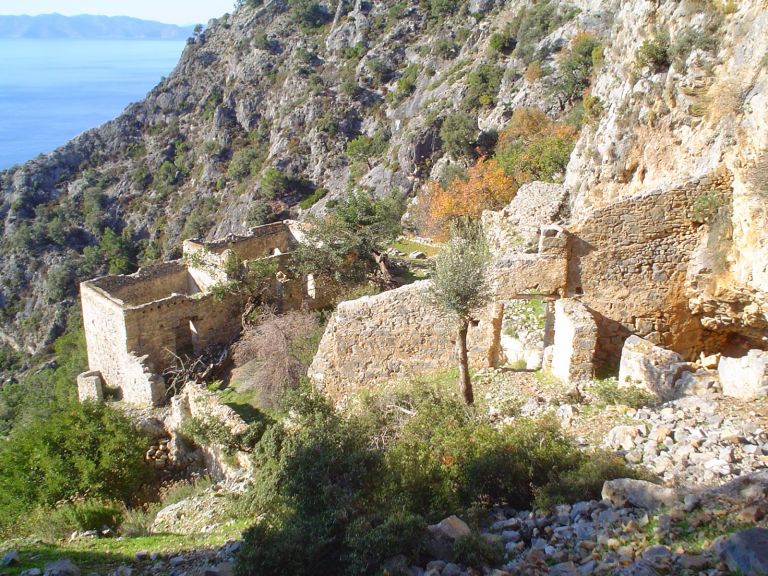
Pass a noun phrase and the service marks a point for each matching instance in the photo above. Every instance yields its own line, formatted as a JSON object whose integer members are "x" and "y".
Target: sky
{"x": 169, "y": 11}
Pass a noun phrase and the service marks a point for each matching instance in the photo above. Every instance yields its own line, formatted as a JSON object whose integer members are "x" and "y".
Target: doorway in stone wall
{"x": 187, "y": 338}
{"x": 527, "y": 329}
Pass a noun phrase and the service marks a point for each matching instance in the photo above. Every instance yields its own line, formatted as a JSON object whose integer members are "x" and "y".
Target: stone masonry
{"x": 396, "y": 334}
{"x": 136, "y": 324}
{"x": 572, "y": 356}
{"x": 625, "y": 263}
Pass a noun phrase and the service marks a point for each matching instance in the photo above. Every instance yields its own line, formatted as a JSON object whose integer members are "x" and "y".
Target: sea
{"x": 52, "y": 90}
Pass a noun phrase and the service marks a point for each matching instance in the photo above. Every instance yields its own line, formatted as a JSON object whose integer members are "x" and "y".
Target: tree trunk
{"x": 464, "y": 382}
{"x": 382, "y": 260}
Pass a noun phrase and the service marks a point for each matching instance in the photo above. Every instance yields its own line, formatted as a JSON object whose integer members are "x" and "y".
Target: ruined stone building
{"x": 637, "y": 266}
{"x": 136, "y": 324}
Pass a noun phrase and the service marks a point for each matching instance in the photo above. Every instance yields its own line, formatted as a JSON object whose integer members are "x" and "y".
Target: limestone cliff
{"x": 683, "y": 90}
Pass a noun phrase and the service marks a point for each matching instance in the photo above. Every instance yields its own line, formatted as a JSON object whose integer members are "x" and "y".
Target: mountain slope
{"x": 297, "y": 100}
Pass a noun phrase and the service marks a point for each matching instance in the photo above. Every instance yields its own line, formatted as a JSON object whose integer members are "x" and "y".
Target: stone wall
{"x": 572, "y": 355}
{"x": 136, "y": 324}
{"x": 398, "y": 333}
{"x": 628, "y": 264}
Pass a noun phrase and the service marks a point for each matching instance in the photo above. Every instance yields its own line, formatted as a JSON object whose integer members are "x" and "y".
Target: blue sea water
{"x": 52, "y": 90}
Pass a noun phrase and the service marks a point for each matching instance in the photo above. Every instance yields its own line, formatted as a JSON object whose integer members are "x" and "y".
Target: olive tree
{"x": 461, "y": 286}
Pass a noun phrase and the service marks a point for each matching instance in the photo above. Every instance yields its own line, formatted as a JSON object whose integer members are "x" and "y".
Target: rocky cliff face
{"x": 684, "y": 95}
{"x": 269, "y": 107}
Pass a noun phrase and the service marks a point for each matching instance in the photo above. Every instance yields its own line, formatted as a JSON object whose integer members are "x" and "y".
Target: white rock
{"x": 745, "y": 378}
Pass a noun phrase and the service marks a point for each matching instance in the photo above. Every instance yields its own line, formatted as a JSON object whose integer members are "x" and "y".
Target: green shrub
{"x": 483, "y": 86}
{"x": 690, "y": 39}
{"x": 475, "y": 551}
{"x": 308, "y": 13}
{"x": 654, "y": 53}
{"x": 502, "y": 42}
{"x": 705, "y": 206}
{"x": 446, "y": 48}
{"x": 313, "y": 198}
{"x": 459, "y": 133}
{"x": 246, "y": 162}
{"x": 575, "y": 69}
{"x": 441, "y": 9}
{"x": 374, "y": 539}
{"x": 366, "y": 147}
{"x": 585, "y": 481}
{"x": 80, "y": 449}
{"x": 379, "y": 70}
{"x": 91, "y": 514}
{"x": 609, "y": 392}
{"x": 533, "y": 23}
{"x": 273, "y": 182}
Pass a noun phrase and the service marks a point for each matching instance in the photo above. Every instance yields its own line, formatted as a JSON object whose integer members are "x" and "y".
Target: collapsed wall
{"x": 396, "y": 334}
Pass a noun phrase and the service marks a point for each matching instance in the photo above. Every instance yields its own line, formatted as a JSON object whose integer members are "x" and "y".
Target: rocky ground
{"x": 707, "y": 515}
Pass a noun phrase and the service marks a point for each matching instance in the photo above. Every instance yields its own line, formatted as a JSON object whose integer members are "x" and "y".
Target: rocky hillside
{"x": 284, "y": 107}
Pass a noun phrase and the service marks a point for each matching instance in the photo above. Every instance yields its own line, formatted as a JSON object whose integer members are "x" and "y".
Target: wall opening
{"x": 527, "y": 329}
{"x": 187, "y": 338}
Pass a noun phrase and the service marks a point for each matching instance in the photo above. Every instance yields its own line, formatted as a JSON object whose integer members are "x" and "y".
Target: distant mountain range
{"x": 88, "y": 27}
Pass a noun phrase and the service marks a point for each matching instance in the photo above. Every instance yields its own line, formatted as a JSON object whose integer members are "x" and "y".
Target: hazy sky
{"x": 169, "y": 11}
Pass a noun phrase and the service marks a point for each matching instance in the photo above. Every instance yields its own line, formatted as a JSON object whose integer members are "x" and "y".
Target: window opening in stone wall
{"x": 187, "y": 338}
{"x": 527, "y": 329}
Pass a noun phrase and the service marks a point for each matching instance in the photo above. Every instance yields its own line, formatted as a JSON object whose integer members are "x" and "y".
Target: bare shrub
{"x": 283, "y": 347}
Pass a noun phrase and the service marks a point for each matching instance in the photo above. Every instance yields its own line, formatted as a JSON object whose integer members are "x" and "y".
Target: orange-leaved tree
{"x": 486, "y": 187}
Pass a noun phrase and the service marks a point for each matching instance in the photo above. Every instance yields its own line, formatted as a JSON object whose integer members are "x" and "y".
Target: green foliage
{"x": 60, "y": 282}
{"x": 79, "y": 449}
{"x": 705, "y": 206}
{"x": 543, "y": 159}
{"x": 406, "y": 84}
{"x": 691, "y": 39}
{"x": 502, "y": 42}
{"x": 654, "y": 53}
{"x": 475, "y": 551}
{"x": 214, "y": 100}
{"x": 609, "y": 392}
{"x": 273, "y": 183}
{"x": 575, "y": 70}
{"x": 483, "y": 85}
{"x": 200, "y": 219}
{"x": 89, "y": 515}
{"x": 313, "y": 198}
{"x": 363, "y": 148}
{"x": 114, "y": 253}
{"x": 451, "y": 173}
{"x": 259, "y": 213}
{"x": 308, "y": 13}
{"x": 247, "y": 161}
{"x": 533, "y": 23}
{"x": 460, "y": 283}
{"x": 141, "y": 177}
{"x": 441, "y": 9}
{"x": 342, "y": 493}
{"x": 585, "y": 481}
{"x": 446, "y": 48}
{"x": 459, "y": 133}
{"x": 380, "y": 71}
{"x": 343, "y": 246}
{"x": 210, "y": 431}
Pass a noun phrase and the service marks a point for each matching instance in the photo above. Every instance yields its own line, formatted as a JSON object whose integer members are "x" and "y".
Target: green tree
{"x": 458, "y": 133}
{"x": 349, "y": 244}
{"x": 461, "y": 285}
{"x": 575, "y": 70}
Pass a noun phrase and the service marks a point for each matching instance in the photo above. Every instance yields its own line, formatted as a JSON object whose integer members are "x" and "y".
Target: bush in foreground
{"x": 342, "y": 494}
